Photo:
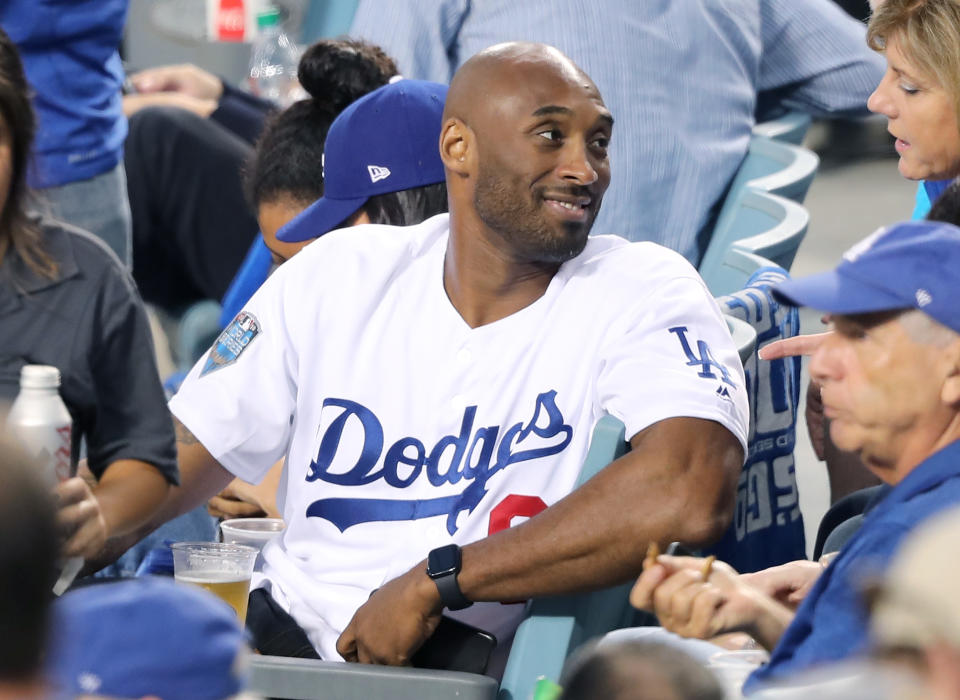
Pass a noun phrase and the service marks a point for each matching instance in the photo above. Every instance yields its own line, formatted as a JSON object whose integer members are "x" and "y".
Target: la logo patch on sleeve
{"x": 234, "y": 339}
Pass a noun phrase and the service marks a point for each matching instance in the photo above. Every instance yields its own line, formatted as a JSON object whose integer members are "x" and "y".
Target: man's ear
{"x": 456, "y": 147}
{"x": 950, "y": 393}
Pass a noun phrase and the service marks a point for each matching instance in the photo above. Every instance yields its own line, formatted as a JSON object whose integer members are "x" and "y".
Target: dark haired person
{"x": 191, "y": 135}
{"x": 29, "y": 549}
{"x": 637, "y": 670}
{"x": 66, "y": 301}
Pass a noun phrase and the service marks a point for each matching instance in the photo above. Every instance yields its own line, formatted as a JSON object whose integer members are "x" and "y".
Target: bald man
{"x": 434, "y": 387}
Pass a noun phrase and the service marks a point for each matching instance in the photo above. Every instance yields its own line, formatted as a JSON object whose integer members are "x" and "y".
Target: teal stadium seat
{"x": 791, "y": 128}
{"x": 759, "y": 224}
{"x": 773, "y": 166}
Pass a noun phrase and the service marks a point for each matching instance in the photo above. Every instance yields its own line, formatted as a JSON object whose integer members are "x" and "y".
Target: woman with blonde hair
{"x": 920, "y": 92}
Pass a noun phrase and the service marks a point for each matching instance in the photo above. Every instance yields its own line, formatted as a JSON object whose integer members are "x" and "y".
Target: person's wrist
{"x": 426, "y": 589}
{"x": 766, "y": 619}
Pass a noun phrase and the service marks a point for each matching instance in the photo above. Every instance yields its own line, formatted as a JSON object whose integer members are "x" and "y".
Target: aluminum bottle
{"x": 41, "y": 422}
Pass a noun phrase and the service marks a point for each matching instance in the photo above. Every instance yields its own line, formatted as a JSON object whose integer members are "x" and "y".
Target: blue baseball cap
{"x": 147, "y": 636}
{"x": 912, "y": 265}
{"x": 387, "y": 141}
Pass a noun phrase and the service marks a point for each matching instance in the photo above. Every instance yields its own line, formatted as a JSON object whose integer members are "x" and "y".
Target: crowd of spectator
{"x": 476, "y": 236}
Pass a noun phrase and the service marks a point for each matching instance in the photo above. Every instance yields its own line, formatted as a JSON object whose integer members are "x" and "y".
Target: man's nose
{"x": 825, "y": 361}
{"x": 577, "y": 165}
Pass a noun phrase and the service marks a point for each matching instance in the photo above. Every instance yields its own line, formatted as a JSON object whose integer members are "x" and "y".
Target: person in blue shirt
{"x": 70, "y": 52}
{"x": 890, "y": 378}
{"x": 685, "y": 79}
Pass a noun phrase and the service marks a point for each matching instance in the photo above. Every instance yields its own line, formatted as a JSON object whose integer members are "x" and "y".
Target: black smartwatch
{"x": 443, "y": 565}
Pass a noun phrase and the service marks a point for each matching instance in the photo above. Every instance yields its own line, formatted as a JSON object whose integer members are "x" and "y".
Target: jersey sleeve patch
{"x": 232, "y": 342}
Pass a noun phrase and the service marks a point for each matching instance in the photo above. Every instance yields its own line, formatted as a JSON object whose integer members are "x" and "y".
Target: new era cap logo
{"x": 378, "y": 172}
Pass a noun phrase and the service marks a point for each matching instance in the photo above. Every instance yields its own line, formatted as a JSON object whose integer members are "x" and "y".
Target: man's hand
{"x": 80, "y": 518}
{"x": 185, "y": 78}
{"x": 396, "y": 620}
{"x": 690, "y": 605}
{"x": 229, "y": 504}
{"x": 788, "y": 583}
{"x": 245, "y": 500}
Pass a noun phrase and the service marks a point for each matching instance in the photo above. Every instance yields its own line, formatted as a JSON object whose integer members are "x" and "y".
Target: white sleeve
{"x": 239, "y": 398}
{"x": 674, "y": 359}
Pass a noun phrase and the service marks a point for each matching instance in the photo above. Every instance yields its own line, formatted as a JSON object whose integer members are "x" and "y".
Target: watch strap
{"x": 450, "y": 594}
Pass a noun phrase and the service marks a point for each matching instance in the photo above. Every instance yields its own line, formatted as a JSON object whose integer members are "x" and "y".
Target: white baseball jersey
{"x": 405, "y": 429}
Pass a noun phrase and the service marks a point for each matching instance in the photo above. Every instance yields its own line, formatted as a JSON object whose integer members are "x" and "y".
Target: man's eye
{"x": 909, "y": 89}
{"x": 550, "y": 134}
{"x": 601, "y": 142}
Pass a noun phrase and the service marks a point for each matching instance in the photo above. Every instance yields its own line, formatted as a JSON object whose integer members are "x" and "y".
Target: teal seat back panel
{"x": 790, "y": 128}
{"x": 761, "y": 224}
{"x": 770, "y": 167}
{"x": 310, "y": 679}
{"x": 557, "y": 625}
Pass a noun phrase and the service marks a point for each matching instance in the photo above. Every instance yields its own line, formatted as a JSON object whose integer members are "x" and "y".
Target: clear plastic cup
{"x": 253, "y": 532}
{"x": 223, "y": 569}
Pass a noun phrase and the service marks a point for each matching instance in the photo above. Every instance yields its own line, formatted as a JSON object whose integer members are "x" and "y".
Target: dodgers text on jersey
{"x": 477, "y": 454}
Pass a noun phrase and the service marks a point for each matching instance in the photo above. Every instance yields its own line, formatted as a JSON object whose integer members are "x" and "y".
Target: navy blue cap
{"x": 146, "y": 636}
{"x": 913, "y": 265}
{"x": 387, "y": 141}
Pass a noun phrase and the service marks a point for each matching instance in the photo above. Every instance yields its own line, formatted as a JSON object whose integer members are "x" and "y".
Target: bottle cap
{"x": 39, "y": 377}
{"x": 268, "y": 18}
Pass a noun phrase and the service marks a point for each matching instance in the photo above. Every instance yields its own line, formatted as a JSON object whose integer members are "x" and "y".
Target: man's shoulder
{"x": 614, "y": 261}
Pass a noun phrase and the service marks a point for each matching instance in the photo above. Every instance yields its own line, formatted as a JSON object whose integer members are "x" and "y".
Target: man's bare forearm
{"x": 678, "y": 483}
{"x": 201, "y": 476}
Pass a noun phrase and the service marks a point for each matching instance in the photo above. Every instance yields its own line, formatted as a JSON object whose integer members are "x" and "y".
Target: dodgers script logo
{"x": 475, "y": 456}
{"x": 232, "y": 342}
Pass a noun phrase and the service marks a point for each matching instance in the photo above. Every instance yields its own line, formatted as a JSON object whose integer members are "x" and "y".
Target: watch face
{"x": 443, "y": 561}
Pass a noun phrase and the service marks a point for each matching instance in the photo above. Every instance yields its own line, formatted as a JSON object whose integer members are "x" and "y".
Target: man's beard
{"x": 519, "y": 222}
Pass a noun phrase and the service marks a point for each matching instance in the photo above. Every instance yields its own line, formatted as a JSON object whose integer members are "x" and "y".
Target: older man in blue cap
{"x": 890, "y": 378}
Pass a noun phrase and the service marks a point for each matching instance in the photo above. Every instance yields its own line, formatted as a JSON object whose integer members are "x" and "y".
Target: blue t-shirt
{"x": 69, "y": 52}
{"x": 927, "y": 193}
{"x": 831, "y": 622}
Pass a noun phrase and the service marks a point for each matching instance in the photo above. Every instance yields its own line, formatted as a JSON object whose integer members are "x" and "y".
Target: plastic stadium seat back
{"x": 791, "y": 128}
{"x": 761, "y": 224}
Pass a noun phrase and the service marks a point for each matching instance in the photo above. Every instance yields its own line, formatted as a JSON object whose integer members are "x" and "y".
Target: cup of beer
{"x": 223, "y": 569}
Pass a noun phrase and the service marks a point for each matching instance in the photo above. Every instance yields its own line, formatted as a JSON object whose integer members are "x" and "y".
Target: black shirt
{"x": 89, "y": 322}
